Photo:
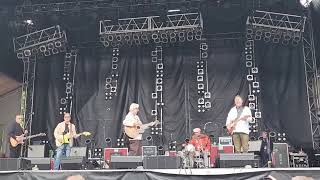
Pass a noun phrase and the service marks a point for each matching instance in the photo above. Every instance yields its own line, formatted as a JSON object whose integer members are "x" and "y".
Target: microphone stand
{"x": 209, "y": 153}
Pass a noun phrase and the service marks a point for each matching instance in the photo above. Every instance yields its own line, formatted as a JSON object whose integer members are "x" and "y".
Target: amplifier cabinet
{"x": 161, "y": 162}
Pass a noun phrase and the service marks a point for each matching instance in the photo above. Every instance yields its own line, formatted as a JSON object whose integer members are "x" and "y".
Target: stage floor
{"x": 132, "y": 174}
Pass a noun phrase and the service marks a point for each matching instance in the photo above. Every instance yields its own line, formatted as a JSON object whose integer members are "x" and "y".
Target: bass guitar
{"x": 14, "y": 142}
{"x": 134, "y": 131}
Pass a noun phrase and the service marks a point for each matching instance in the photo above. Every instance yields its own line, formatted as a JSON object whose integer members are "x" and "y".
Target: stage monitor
{"x": 78, "y": 152}
{"x": 108, "y": 152}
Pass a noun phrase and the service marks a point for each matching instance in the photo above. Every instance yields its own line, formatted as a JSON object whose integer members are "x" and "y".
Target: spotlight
{"x": 118, "y": 37}
{"x": 127, "y": 37}
{"x": 198, "y": 33}
{"x": 181, "y": 36}
{"x": 305, "y": 3}
{"x": 189, "y": 35}
{"x": 110, "y": 37}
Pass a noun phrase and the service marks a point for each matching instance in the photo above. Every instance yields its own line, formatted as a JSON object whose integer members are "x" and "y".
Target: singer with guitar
{"x": 134, "y": 128}
{"x": 238, "y": 125}
{"x": 15, "y": 132}
{"x": 64, "y": 134}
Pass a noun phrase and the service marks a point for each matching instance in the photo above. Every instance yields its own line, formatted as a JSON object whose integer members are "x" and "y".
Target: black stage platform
{"x": 166, "y": 174}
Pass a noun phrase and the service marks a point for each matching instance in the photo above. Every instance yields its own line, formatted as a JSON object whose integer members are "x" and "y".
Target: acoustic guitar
{"x": 232, "y": 125}
{"x": 66, "y": 139}
{"x": 20, "y": 139}
{"x": 134, "y": 131}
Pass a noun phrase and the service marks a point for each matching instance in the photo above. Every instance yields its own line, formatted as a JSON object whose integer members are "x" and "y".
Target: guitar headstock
{"x": 156, "y": 122}
{"x": 86, "y": 133}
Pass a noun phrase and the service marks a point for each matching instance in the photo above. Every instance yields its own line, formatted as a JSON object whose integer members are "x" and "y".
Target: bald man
{"x": 240, "y": 116}
{"x": 15, "y": 131}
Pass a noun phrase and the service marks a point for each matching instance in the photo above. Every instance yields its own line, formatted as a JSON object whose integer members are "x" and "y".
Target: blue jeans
{"x": 61, "y": 151}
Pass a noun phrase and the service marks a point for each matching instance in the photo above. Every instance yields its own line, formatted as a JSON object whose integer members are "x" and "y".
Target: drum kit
{"x": 194, "y": 159}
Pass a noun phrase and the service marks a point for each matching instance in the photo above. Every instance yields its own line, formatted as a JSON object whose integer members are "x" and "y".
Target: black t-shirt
{"x": 15, "y": 130}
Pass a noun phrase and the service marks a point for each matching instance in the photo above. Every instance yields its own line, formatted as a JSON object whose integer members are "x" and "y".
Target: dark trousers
{"x": 135, "y": 147}
{"x": 15, "y": 151}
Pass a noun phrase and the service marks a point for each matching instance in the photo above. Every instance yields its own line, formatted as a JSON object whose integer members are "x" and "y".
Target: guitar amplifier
{"x": 108, "y": 152}
{"x": 13, "y": 164}
{"x": 149, "y": 150}
{"x": 161, "y": 162}
{"x": 36, "y": 151}
{"x": 125, "y": 162}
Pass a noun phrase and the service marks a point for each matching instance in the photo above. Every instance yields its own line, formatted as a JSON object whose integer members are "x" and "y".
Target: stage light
{"x": 305, "y": 3}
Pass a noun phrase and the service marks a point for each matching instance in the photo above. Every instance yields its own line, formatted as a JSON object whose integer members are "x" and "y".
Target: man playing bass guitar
{"x": 238, "y": 125}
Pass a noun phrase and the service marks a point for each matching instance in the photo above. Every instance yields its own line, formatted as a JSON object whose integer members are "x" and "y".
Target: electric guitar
{"x": 14, "y": 142}
{"x": 232, "y": 125}
{"x": 66, "y": 139}
{"x": 134, "y": 131}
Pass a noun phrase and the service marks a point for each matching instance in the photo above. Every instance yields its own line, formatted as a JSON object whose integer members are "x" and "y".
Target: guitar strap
{"x": 239, "y": 112}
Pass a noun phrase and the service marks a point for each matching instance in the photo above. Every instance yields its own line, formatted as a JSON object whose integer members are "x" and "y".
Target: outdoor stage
{"x": 194, "y": 174}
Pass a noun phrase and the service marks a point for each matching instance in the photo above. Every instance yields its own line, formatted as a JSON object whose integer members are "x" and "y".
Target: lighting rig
{"x": 156, "y": 29}
{"x": 69, "y": 68}
{"x": 276, "y": 27}
{"x": 269, "y": 27}
{"x": 29, "y": 48}
{"x": 202, "y": 79}
{"x": 157, "y": 95}
{"x": 111, "y": 85}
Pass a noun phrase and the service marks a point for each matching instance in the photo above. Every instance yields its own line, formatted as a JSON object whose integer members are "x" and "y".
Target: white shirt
{"x": 242, "y": 126}
{"x": 130, "y": 120}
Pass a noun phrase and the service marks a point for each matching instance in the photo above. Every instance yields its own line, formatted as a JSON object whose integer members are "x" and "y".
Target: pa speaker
{"x": 161, "y": 162}
{"x": 72, "y": 163}
{"x": 42, "y": 163}
{"x": 12, "y": 164}
{"x": 125, "y": 162}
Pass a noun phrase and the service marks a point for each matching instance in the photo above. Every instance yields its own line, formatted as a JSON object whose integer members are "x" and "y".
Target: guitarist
{"x": 16, "y": 132}
{"x": 238, "y": 125}
{"x": 131, "y": 120}
{"x": 64, "y": 134}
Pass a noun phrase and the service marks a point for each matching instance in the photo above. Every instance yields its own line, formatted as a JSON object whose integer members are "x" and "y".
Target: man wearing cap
{"x": 202, "y": 144}
{"x": 132, "y": 120}
{"x": 239, "y": 116}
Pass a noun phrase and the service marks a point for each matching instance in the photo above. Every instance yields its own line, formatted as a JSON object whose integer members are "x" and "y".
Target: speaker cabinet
{"x": 125, "y": 162}
{"x": 280, "y": 155}
{"x": 72, "y": 163}
{"x": 42, "y": 163}
{"x": 161, "y": 162}
{"x": 13, "y": 164}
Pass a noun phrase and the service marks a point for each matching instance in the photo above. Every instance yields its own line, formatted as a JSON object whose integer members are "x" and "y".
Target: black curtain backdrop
{"x": 281, "y": 69}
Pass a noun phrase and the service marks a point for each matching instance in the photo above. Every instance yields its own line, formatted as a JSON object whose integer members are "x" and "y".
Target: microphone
{"x": 204, "y": 127}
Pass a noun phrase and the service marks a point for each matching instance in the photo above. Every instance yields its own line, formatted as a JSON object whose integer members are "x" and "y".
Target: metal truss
{"x": 27, "y": 98}
{"x": 279, "y": 21}
{"x": 37, "y": 38}
{"x": 98, "y": 5}
{"x": 151, "y": 23}
{"x": 312, "y": 81}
